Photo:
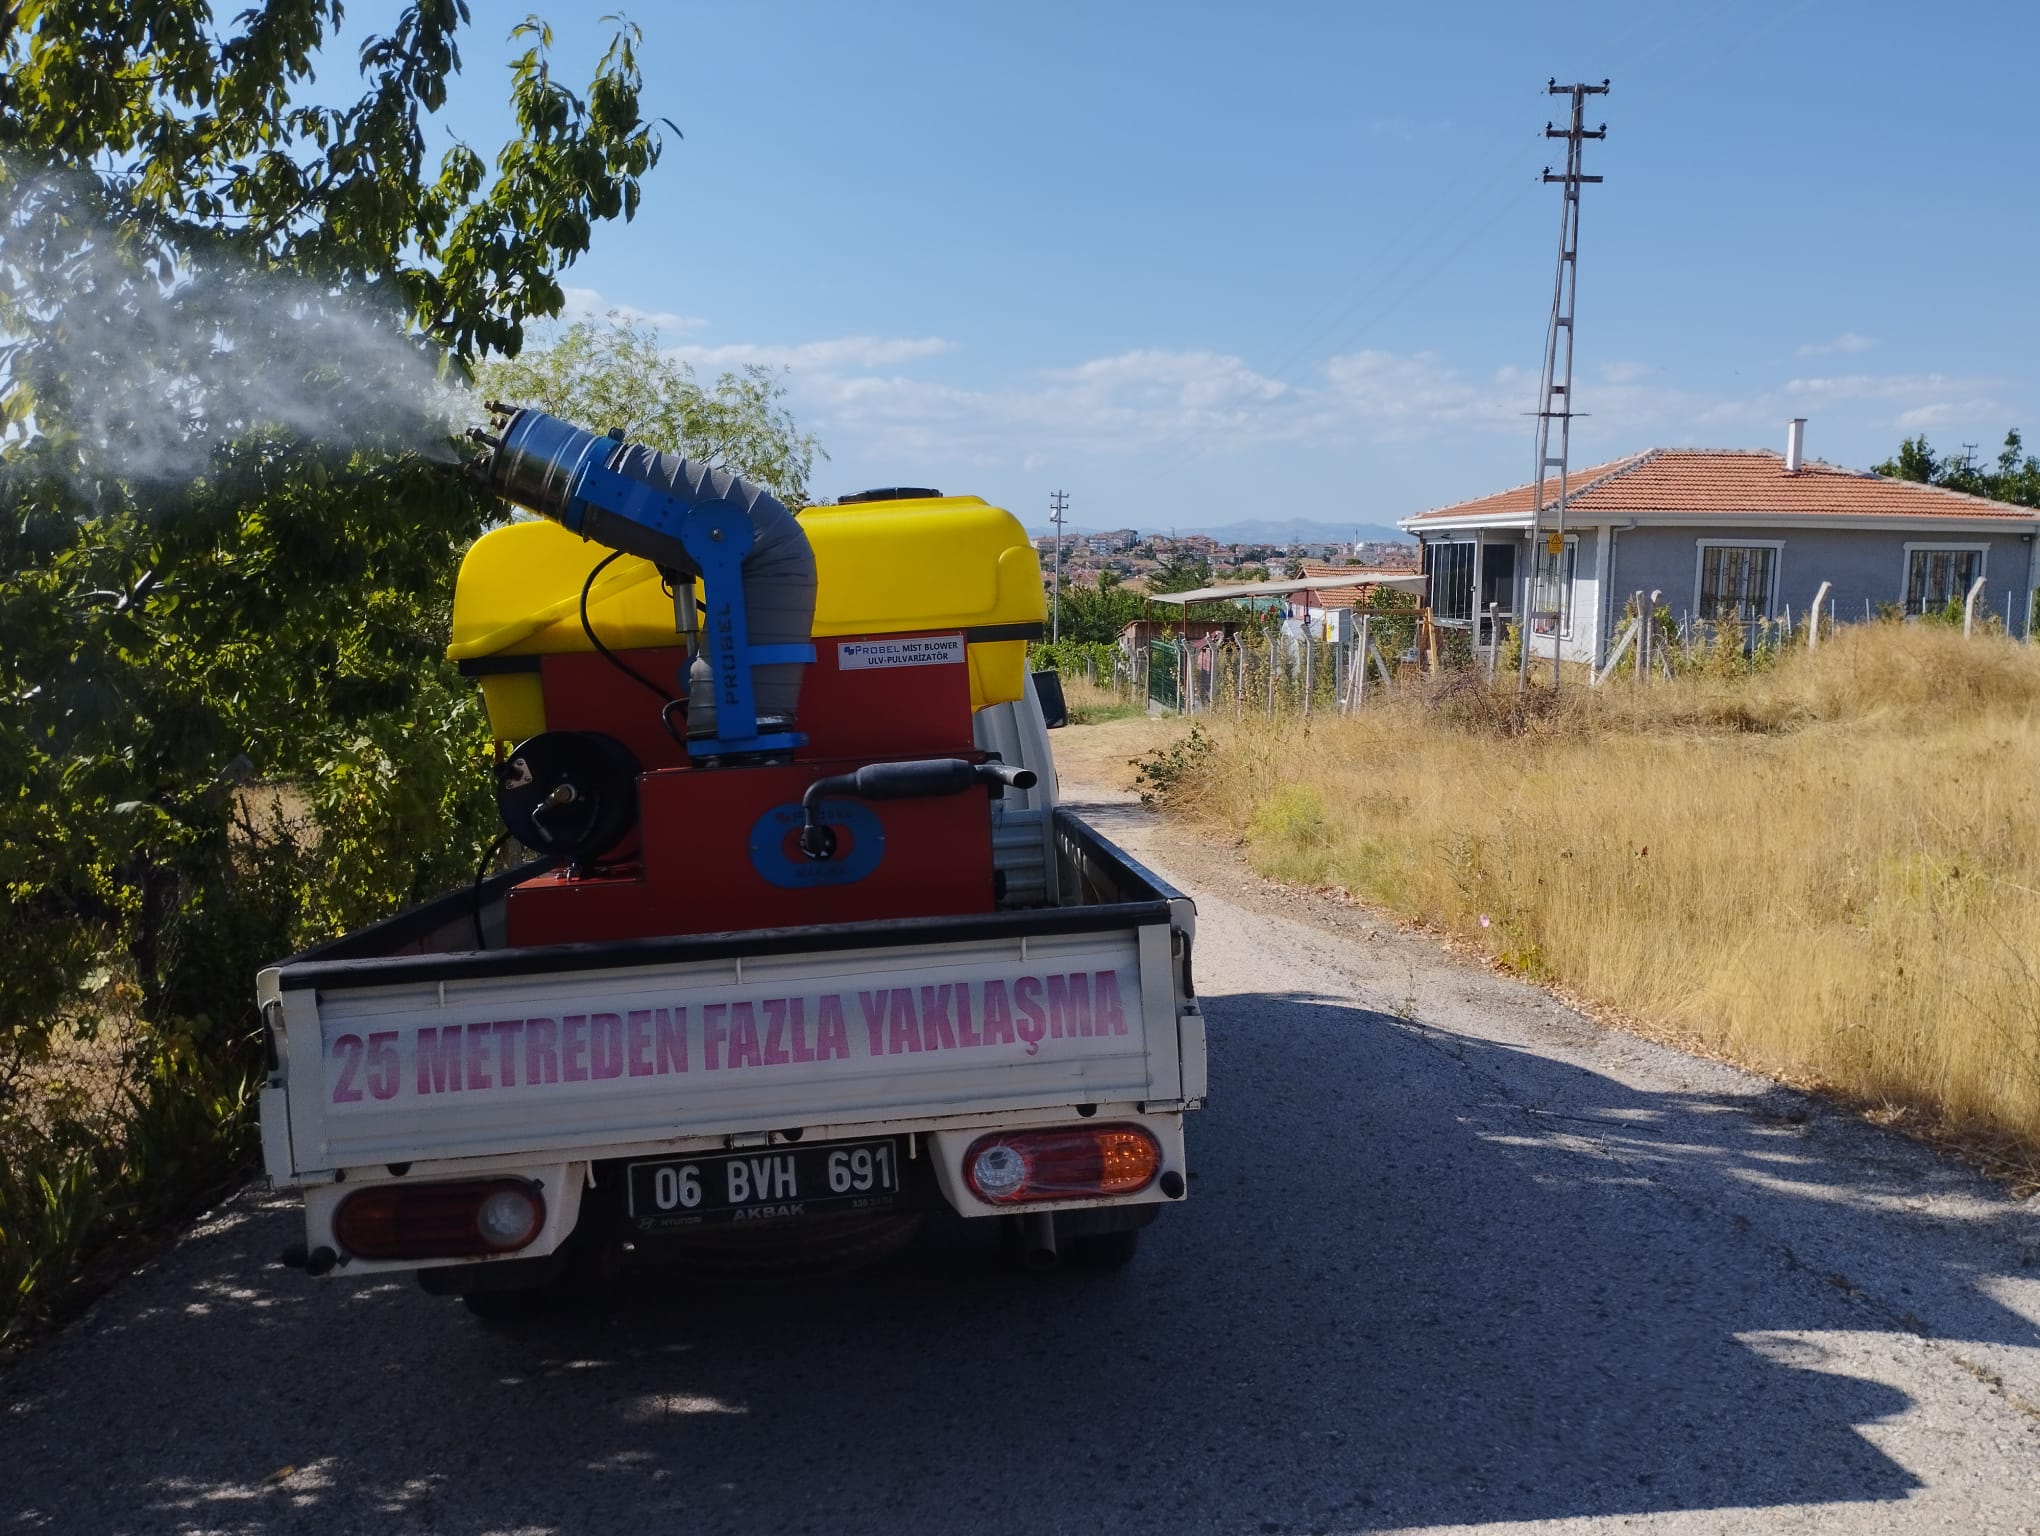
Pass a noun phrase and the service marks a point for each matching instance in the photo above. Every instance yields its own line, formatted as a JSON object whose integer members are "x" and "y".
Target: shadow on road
{"x": 1419, "y": 1280}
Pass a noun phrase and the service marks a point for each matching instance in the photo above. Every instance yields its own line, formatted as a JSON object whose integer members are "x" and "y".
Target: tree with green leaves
{"x": 1182, "y": 573}
{"x": 1096, "y": 615}
{"x": 616, "y": 374}
{"x": 233, "y": 512}
{"x": 2015, "y": 477}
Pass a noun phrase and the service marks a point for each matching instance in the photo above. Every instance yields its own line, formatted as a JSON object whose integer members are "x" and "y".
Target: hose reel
{"x": 569, "y": 794}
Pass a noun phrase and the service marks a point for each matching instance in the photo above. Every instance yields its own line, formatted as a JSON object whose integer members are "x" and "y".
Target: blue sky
{"x": 1194, "y": 263}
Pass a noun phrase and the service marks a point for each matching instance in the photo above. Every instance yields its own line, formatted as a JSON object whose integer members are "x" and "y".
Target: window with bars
{"x": 1451, "y": 568}
{"x": 1737, "y": 581}
{"x": 1934, "y": 578}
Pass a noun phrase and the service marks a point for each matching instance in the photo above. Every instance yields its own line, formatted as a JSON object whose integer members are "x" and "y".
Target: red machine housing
{"x": 709, "y": 840}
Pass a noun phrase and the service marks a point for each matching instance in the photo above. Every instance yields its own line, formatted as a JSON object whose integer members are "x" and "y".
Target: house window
{"x": 1937, "y": 575}
{"x": 1553, "y": 593}
{"x": 1451, "y": 568}
{"x": 1737, "y": 581}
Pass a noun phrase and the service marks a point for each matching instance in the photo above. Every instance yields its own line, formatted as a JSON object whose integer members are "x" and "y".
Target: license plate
{"x": 766, "y": 1185}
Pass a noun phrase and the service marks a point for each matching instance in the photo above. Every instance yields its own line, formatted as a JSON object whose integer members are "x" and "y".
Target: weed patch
{"x": 1290, "y": 835}
{"x": 1827, "y": 869}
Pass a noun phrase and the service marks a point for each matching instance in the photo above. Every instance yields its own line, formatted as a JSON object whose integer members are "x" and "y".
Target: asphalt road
{"x": 1454, "y": 1258}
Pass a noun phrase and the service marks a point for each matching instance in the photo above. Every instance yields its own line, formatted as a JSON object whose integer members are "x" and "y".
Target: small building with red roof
{"x": 1744, "y": 534}
{"x": 1326, "y": 613}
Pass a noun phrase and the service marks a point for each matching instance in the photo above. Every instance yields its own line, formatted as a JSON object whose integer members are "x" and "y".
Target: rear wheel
{"x": 1103, "y": 1237}
{"x": 513, "y": 1314}
{"x": 1104, "y": 1250}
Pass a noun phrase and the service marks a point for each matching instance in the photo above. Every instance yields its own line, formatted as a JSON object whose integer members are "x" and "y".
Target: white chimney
{"x": 1795, "y": 445}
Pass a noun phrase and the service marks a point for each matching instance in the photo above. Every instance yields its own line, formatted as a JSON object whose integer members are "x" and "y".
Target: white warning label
{"x": 928, "y": 651}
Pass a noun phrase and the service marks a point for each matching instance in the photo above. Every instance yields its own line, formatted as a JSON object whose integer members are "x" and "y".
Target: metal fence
{"x": 1252, "y": 671}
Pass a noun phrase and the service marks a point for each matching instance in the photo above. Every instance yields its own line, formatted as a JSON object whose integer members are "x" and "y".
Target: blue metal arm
{"x": 716, "y": 536}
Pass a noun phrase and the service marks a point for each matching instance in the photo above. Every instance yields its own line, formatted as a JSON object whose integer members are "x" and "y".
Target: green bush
{"x": 1075, "y": 658}
{"x": 1511, "y": 658}
{"x": 234, "y": 510}
{"x": 1167, "y": 772}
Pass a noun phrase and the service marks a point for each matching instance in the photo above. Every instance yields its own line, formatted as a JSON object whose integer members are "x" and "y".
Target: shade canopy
{"x": 1298, "y": 584}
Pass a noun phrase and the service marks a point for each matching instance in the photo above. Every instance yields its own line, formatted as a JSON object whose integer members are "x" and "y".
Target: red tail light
{"x": 440, "y": 1221}
{"x": 1064, "y": 1164}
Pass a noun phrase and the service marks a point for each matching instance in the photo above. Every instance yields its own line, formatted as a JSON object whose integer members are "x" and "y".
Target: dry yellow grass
{"x": 1830, "y": 872}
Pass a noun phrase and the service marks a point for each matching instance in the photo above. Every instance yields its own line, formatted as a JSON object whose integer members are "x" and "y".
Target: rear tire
{"x": 510, "y": 1314}
{"x": 1102, "y": 1251}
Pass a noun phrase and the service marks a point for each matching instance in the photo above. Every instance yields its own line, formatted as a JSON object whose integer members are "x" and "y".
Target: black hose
{"x": 923, "y": 778}
{"x": 481, "y": 874}
{"x": 665, "y": 696}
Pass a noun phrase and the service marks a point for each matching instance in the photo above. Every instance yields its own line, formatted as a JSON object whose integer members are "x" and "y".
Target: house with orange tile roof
{"x": 1747, "y": 534}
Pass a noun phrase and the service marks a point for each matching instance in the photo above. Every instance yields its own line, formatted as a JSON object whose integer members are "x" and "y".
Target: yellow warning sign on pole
{"x": 1554, "y": 544}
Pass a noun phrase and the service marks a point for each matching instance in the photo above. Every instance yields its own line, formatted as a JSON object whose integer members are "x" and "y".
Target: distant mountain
{"x": 1294, "y": 530}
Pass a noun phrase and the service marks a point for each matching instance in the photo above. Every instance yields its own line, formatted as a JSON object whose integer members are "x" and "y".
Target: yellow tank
{"x": 945, "y": 562}
{"x": 882, "y": 567}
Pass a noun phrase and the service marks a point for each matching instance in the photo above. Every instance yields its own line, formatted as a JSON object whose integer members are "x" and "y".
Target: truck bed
{"x": 405, "y": 1043}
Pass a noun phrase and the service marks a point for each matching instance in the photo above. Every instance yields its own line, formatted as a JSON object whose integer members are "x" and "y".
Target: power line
{"x": 1407, "y": 251}
{"x": 1555, "y": 397}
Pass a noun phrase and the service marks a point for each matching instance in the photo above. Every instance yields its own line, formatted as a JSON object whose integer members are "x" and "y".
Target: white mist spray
{"x": 143, "y": 367}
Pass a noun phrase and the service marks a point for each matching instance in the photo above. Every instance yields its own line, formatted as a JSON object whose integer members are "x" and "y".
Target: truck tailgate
{"x": 575, "y": 1047}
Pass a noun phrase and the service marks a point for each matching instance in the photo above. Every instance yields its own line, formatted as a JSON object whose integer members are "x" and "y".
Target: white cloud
{"x": 1733, "y": 412}
{"x": 1415, "y": 394}
{"x": 1193, "y": 378}
{"x": 837, "y": 353}
{"x": 1125, "y": 403}
{"x": 1420, "y": 395}
{"x": 588, "y": 304}
{"x": 1926, "y": 415}
{"x": 1155, "y": 396}
{"x": 1870, "y": 386}
{"x": 1848, "y": 341}
{"x": 1924, "y": 399}
{"x": 1193, "y": 403}
{"x": 878, "y": 399}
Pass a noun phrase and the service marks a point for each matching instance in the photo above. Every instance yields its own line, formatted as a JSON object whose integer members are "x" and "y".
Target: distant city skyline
{"x": 1243, "y": 533}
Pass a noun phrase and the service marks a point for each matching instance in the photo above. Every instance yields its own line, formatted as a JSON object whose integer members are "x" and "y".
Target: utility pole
{"x": 1058, "y": 503}
{"x": 1555, "y": 398}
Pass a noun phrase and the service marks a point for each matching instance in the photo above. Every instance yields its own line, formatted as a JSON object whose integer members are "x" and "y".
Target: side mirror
{"x": 1048, "y": 690}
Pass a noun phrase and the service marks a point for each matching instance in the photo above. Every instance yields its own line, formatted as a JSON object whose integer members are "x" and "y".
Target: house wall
{"x": 1865, "y": 566}
{"x": 1589, "y": 582}
{"x": 1583, "y": 638}
{"x": 1319, "y": 624}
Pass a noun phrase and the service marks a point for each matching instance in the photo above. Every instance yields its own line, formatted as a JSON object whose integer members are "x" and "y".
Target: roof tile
{"x": 1750, "y": 481}
{"x": 1343, "y": 597}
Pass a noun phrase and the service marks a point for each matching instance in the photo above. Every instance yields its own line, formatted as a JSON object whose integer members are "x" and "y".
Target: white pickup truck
{"x": 492, "y": 1116}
